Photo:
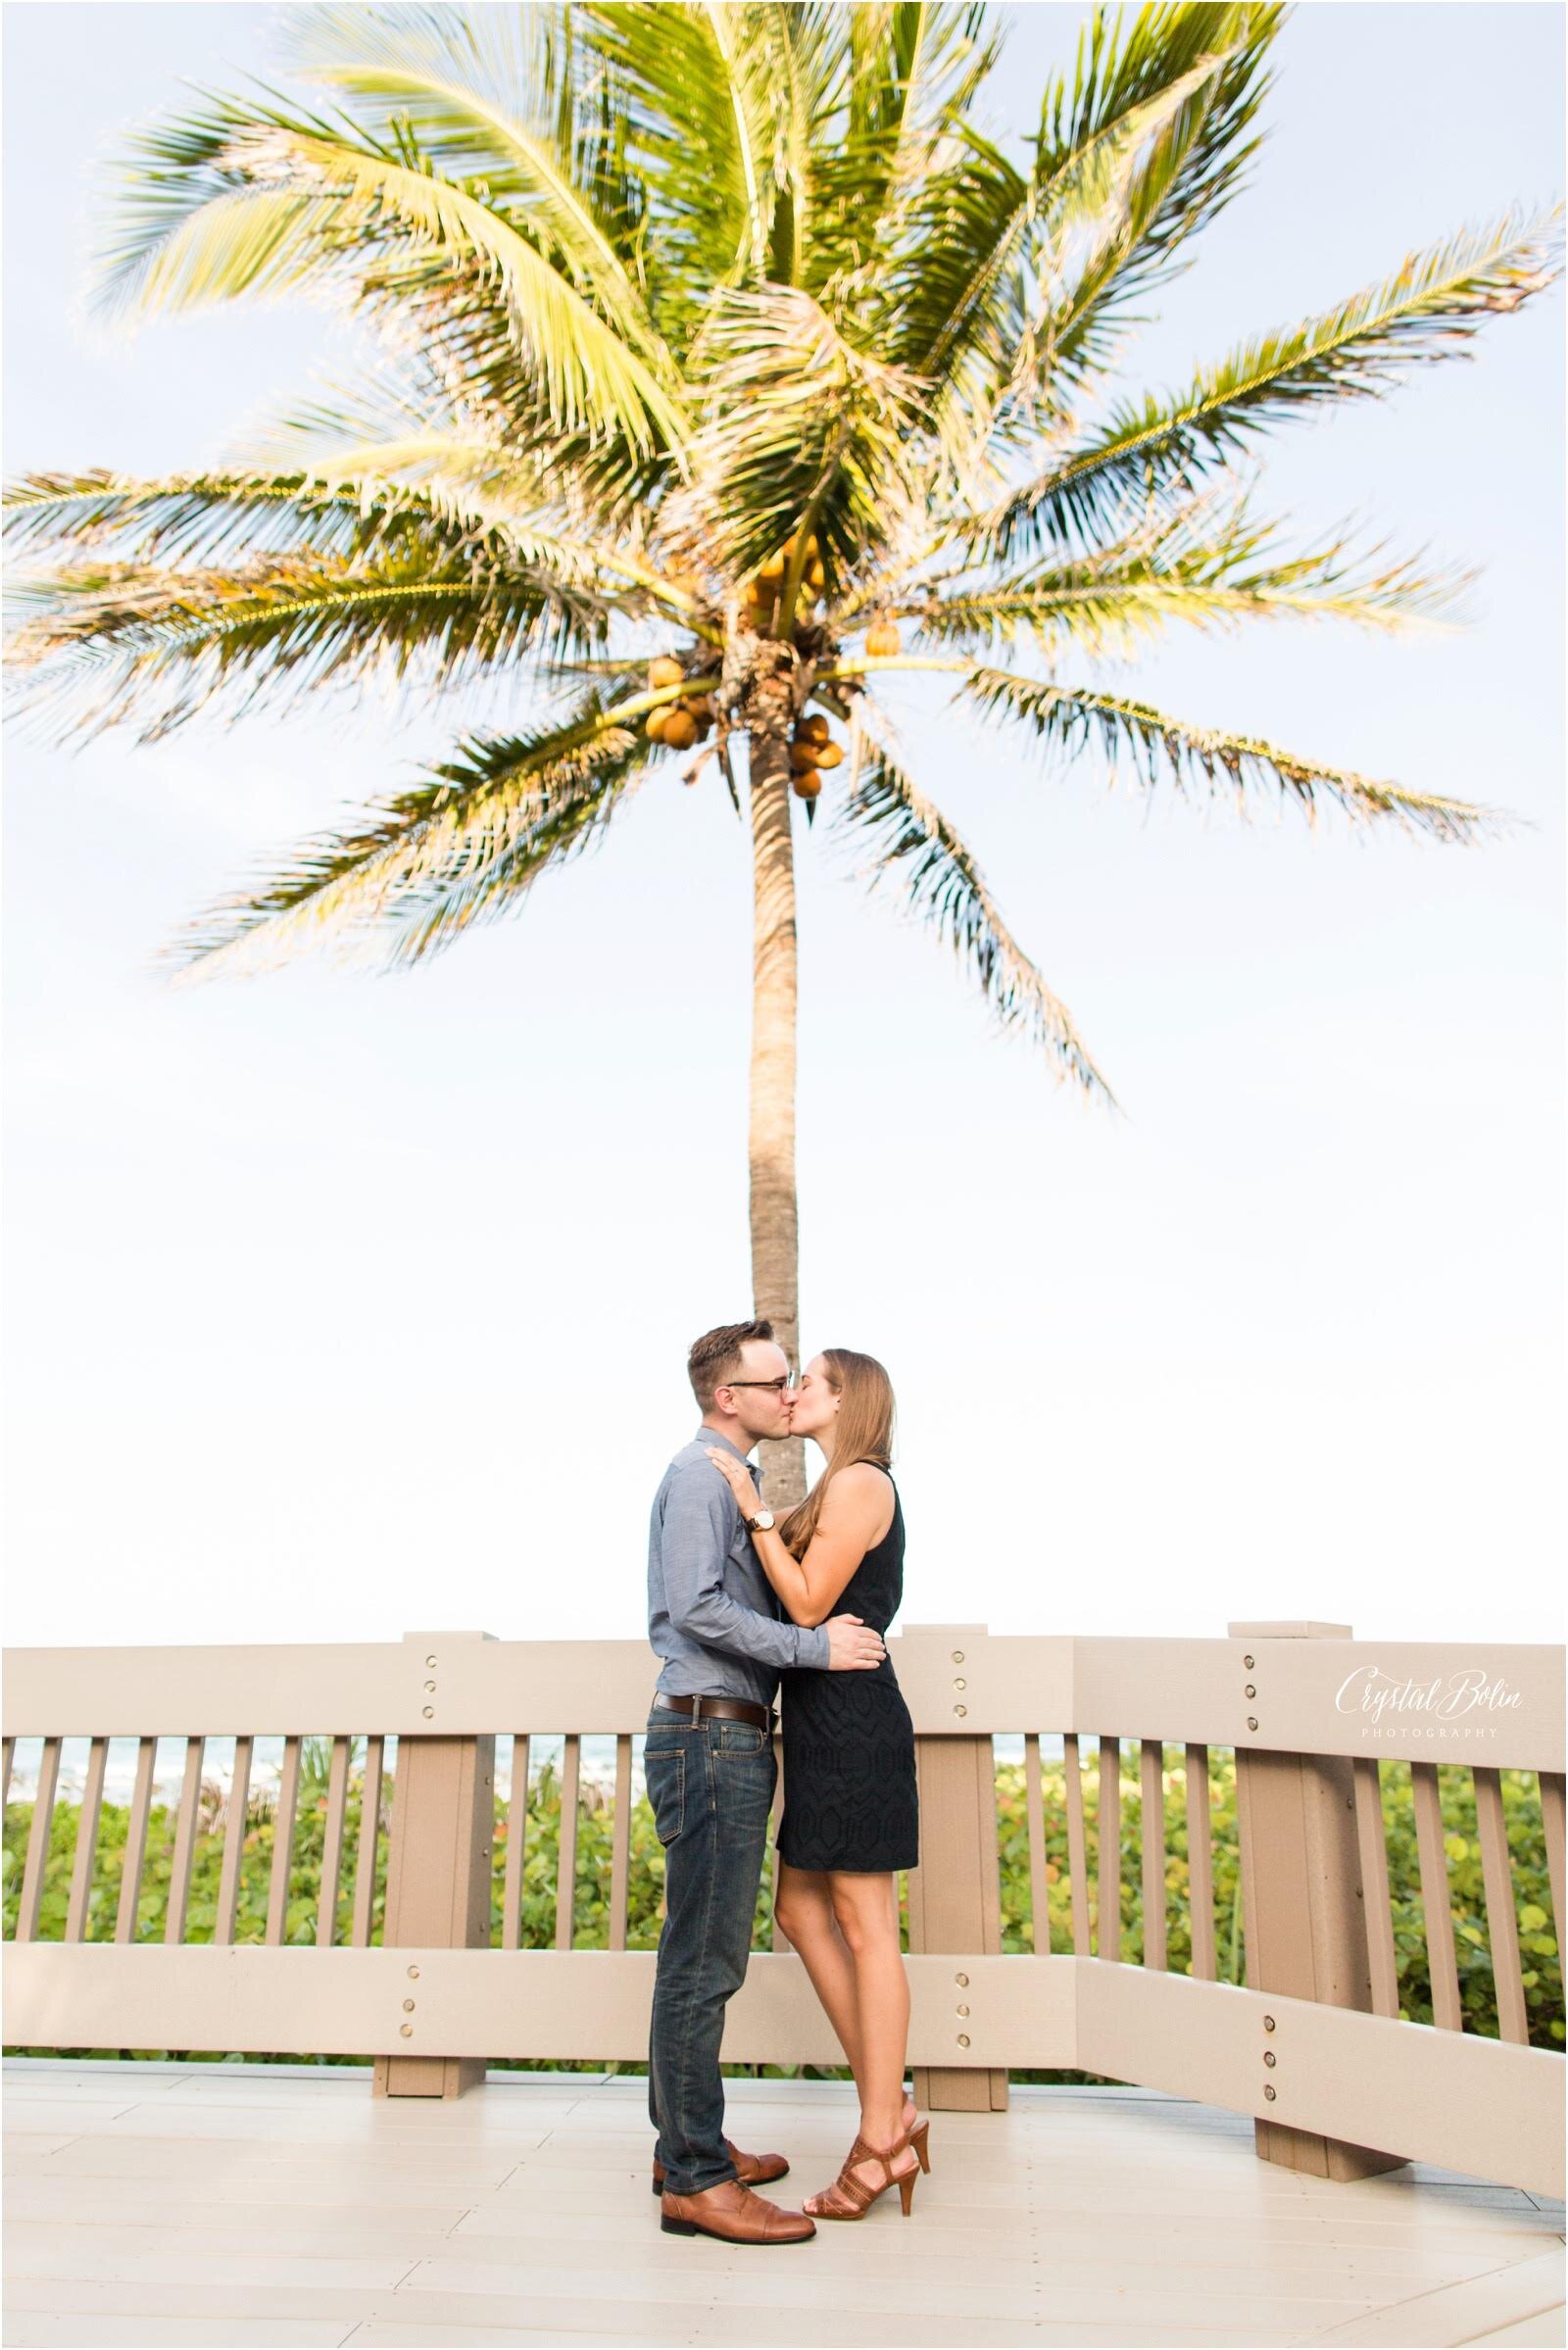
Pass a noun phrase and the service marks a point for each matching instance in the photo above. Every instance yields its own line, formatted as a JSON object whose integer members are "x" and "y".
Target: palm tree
{"x": 722, "y": 339}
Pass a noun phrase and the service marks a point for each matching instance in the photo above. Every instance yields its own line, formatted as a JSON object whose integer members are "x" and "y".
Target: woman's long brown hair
{"x": 863, "y": 1431}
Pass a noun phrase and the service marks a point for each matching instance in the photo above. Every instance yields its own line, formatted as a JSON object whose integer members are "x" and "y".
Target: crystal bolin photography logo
{"x": 1457, "y": 1708}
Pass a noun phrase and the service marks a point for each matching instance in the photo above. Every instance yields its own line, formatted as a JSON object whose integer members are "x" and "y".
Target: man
{"x": 712, "y": 1772}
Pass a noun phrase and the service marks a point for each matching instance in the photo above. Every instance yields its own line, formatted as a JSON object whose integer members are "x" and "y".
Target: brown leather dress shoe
{"x": 752, "y": 2170}
{"x": 733, "y": 2214}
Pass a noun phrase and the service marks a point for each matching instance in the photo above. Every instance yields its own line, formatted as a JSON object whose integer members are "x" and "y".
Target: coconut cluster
{"x": 679, "y": 723}
{"x": 812, "y": 749}
{"x": 764, "y": 591}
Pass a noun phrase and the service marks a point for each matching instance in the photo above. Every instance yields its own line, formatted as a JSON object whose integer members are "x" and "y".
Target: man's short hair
{"x": 715, "y": 1358}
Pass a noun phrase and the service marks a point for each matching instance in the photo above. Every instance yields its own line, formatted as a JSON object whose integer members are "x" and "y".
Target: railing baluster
{"x": 566, "y": 1879}
{"x": 1502, "y": 1927}
{"x": 337, "y": 1798}
{"x": 1077, "y": 1860}
{"x": 369, "y": 1843}
{"x": 1435, "y": 1903}
{"x": 86, "y": 1852}
{"x": 517, "y": 1843}
{"x": 1108, "y": 1821}
{"x": 1372, "y": 1846}
{"x": 190, "y": 1796}
{"x": 620, "y": 1846}
{"x": 1039, "y": 1891}
{"x": 32, "y": 1876}
{"x": 137, "y": 1841}
{"x": 1550, "y": 1788}
{"x": 288, "y": 1795}
{"x": 239, "y": 1797}
{"x": 1151, "y": 1831}
{"x": 1201, "y": 1866}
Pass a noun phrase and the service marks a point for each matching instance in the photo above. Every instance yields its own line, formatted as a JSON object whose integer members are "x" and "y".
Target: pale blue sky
{"x": 341, "y": 1304}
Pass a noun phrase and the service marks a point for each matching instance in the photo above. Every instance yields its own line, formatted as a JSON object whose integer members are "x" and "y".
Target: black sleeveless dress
{"x": 850, "y": 1796}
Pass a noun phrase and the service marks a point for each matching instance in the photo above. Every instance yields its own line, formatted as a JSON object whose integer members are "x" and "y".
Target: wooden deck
{"x": 170, "y": 2204}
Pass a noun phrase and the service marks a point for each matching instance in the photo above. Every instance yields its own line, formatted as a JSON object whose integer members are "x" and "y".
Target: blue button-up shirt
{"x": 713, "y": 1615}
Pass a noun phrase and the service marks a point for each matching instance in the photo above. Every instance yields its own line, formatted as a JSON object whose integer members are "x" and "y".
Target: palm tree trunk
{"x": 775, "y": 1237}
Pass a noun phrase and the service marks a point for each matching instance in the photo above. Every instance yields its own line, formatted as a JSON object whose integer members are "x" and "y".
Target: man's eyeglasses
{"x": 779, "y": 1386}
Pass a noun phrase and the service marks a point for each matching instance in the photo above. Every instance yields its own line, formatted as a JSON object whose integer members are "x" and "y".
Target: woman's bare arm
{"x": 856, "y": 1513}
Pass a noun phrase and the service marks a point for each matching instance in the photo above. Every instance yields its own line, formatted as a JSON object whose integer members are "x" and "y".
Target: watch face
{"x": 764, "y": 1518}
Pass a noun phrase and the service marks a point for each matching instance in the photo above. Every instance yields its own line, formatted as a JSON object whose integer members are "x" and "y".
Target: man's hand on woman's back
{"x": 852, "y": 1646}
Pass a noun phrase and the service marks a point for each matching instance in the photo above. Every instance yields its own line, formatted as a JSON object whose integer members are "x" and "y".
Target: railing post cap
{"x": 1297, "y": 1630}
{"x": 450, "y": 1636}
{"x": 945, "y": 1632}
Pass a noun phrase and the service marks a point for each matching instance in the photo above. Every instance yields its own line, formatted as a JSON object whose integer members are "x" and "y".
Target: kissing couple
{"x": 736, "y": 1605}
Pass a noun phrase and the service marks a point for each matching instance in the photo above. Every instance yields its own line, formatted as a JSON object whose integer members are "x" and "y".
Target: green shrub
{"x": 1021, "y": 1931}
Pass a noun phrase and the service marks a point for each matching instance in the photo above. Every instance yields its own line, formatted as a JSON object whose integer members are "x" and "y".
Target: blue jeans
{"x": 711, "y": 1784}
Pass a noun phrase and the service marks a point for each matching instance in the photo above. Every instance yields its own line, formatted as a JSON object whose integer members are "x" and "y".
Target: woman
{"x": 851, "y": 1807}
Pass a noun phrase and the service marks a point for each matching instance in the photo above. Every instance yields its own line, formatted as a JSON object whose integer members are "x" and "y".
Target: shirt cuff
{"x": 812, "y": 1651}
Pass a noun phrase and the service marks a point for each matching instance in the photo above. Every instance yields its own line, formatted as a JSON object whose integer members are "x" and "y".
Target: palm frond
{"x": 689, "y": 87}
{"x": 101, "y": 643}
{"x": 490, "y": 97}
{"x": 802, "y": 432}
{"x": 1208, "y": 563}
{"x": 912, "y": 842}
{"x": 915, "y": 69}
{"x": 1160, "y": 748}
{"x": 1430, "y": 309}
{"x": 460, "y": 847}
{"x": 243, "y": 199}
{"x": 977, "y": 281}
{"x": 1180, "y": 184}
{"x": 198, "y": 514}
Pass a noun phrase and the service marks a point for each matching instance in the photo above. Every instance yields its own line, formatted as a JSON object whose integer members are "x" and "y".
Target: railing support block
{"x": 957, "y": 1904}
{"x": 1303, "y": 1906}
{"x": 438, "y": 1870}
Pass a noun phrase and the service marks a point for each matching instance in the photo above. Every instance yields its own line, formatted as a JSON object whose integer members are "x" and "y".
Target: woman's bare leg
{"x": 804, "y": 1908}
{"x": 866, "y": 1908}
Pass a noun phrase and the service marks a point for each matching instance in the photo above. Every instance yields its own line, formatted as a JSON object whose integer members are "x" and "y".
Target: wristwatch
{"x": 760, "y": 1523}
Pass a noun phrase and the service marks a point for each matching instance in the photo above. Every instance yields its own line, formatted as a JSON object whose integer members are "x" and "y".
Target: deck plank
{"x": 1458, "y": 2312}
{"x": 248, "y": 2204}
{"x": 71, "y": 2330}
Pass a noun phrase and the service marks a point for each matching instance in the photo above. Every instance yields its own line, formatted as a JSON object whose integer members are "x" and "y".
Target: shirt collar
{"x": 714, "y": 1435}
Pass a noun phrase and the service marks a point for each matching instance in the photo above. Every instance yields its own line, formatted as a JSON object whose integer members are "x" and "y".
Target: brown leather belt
{"x": 722, "y": 1709}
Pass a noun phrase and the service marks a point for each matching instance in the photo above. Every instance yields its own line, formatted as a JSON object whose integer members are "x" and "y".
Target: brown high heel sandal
{"x": 856, "y": 2191}
{"x": 919, "y": 2133}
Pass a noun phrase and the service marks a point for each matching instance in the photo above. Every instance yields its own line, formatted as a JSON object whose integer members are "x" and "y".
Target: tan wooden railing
{"x": 1311, "y": 2045}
